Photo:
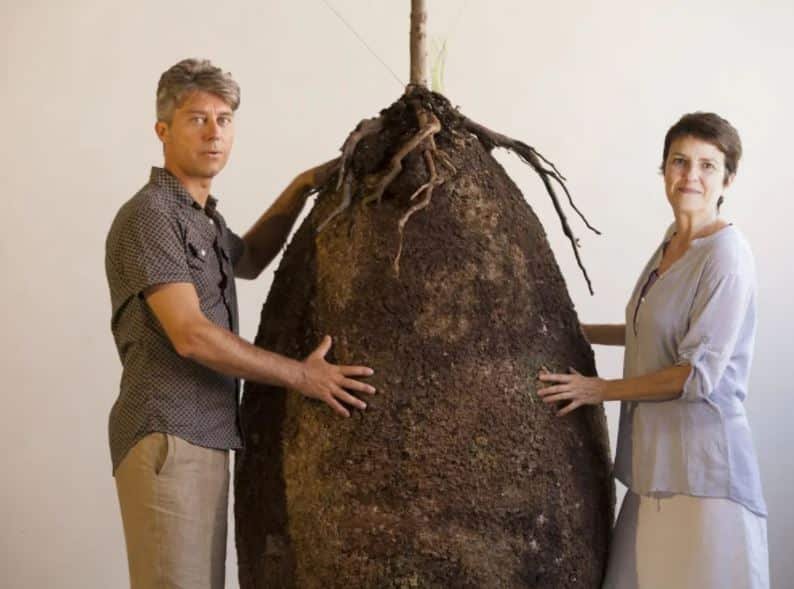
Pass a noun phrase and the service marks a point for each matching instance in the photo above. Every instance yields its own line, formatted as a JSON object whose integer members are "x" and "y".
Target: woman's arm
{"x": 605, "y": 334}
{"x": 578, "y": 390}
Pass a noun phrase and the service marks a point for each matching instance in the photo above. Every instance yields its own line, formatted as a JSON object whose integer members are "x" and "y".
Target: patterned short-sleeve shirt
{"x": 162, "y": 235}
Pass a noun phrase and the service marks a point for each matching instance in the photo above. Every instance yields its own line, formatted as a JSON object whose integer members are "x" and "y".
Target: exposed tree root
{"x": 374, "y": 186}
{"x": 428, "y": 128}
{"x": 347, "y": 198}
{"x": 344, "y": 181}
{"x": 491, "y": 139}
{"x": 429, "y": 125}
{"x": 364, "y": 129}
{"x": 444, "y": 159}
{"x": 427, "y": 188}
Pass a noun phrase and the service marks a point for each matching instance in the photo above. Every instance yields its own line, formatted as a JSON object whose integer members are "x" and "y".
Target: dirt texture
{"x": 456, "y": 475}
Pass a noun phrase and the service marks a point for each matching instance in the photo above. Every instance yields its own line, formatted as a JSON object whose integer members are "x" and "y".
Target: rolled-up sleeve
{"x": 151, "y": 251}
{"x": 715, "y": 321}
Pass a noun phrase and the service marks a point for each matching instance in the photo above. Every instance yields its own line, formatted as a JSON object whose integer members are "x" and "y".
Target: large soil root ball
{"x": 457, "y": 475}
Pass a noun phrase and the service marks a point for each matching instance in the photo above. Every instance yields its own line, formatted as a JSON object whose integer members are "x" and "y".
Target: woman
{"x": 694, "y": 515}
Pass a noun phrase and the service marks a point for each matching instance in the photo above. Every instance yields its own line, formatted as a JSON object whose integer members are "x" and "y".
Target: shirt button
{"x": 212, "y": 222}
{"x": 203, "y": 253}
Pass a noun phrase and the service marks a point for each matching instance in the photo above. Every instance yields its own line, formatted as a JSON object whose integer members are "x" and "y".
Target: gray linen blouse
{"x": 702, "y": 312}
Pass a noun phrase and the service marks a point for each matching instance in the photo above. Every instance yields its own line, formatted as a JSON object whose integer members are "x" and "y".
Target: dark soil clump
{"x": 456, "y": 475}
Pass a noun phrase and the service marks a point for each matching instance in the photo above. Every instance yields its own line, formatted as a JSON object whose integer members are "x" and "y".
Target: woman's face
{"x": 694, "y": 175}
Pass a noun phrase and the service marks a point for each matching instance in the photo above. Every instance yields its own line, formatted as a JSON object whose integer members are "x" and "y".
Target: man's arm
{"x": 195, "y": 337}
{"x": 606, "y": 335}
{"x": 267, "y": 236}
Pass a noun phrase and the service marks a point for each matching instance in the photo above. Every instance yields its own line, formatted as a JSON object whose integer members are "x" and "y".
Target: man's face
{"x": 199, "y": 138}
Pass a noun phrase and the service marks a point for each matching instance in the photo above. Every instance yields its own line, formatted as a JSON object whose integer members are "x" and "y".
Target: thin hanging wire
{"x": 360, "y": 38}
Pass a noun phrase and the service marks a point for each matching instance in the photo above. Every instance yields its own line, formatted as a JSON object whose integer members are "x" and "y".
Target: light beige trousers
{"x": 173, "y": 497}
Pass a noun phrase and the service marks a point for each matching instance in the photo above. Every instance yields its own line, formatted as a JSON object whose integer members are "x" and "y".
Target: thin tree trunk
{"x": 419, "y": 43}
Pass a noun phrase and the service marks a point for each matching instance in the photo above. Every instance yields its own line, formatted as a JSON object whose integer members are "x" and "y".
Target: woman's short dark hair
{"x": 708, "y": 127}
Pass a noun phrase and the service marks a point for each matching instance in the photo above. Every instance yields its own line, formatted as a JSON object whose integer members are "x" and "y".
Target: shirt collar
{"x": 166, "y": 180}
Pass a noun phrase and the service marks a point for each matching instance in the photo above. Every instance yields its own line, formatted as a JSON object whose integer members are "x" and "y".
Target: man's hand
{"x": 327, "y": 382}
{"x": 579, "y": 390}
{"x": 269, "y": 234}
{"x": 319, "y": 175}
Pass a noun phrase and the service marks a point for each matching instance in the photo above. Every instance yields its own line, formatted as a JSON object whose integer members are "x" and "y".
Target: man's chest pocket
{"x": 202, "y": 261}
{"x": 197, "y": 254}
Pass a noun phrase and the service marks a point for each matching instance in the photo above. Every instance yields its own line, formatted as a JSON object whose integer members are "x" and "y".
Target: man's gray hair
{"x": 188, "y": 76}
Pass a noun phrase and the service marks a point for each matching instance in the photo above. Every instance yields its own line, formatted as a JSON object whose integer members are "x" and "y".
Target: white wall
{"x": 592, "y": 85}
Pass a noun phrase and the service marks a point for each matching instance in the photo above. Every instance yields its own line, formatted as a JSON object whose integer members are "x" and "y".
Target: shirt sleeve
{"x": 152, "y": 251}
{"x": 718, "y": 313}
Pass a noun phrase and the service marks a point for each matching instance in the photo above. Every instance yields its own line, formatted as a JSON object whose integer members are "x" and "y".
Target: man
{"x": 171, "y": 263}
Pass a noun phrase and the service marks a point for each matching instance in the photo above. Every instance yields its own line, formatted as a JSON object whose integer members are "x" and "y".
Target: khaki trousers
{"x": 173, "y": 497}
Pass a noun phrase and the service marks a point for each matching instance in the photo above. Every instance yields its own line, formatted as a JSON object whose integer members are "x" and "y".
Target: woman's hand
{"x": 579, "y": 390}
